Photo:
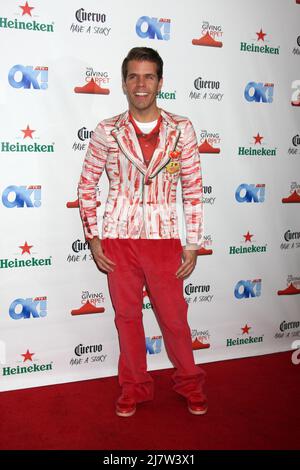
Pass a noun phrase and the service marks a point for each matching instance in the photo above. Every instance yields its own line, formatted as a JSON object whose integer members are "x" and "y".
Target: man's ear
{"x": 124, "y": 87}
{"x": 160, "y": 84}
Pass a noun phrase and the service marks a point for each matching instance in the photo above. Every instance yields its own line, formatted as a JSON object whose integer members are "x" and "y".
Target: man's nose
{"x": 141, "y": 81}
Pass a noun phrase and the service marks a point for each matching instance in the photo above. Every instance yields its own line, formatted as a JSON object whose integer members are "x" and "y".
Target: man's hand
{"x": 103, "y": 263}
{"x": 188, "y": 265}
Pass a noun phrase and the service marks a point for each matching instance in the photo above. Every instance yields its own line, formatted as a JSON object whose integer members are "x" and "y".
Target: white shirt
{"x": 146, "y": 127}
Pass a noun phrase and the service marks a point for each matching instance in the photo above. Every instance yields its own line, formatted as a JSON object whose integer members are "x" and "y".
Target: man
{"x": 144, "y": 152}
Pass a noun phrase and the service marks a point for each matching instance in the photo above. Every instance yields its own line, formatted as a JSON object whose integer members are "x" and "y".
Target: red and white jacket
{"x": 141, "y": 202}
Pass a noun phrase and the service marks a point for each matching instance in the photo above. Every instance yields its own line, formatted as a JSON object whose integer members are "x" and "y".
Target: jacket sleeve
{"x": 93, "y": 166}
{"x": 192, "y": 190}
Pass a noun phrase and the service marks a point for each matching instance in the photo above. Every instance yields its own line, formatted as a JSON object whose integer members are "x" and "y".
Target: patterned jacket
{"x": 142, "y": 201}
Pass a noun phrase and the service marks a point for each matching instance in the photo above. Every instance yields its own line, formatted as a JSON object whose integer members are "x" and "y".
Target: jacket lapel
{"x": 125, "y": 135}
{"x": 167, "y": 140}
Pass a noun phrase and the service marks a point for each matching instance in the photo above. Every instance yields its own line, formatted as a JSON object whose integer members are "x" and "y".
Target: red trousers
{"x": 150, "y": 263}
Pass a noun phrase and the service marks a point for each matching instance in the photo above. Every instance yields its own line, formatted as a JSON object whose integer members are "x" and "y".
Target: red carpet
{"x": 253, "y": 404}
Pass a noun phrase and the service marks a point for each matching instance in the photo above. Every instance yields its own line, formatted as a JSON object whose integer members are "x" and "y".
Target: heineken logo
{"x": 241, "y": 339}
{"x": 247, "y": 248}
{"x": 257, "y": 148}
{"x": 30, "y": 368}
{"x": 26, "y": 146}
{"x": 25, "y": 262}
{"x": 166, "y": 95}
{"x": 258, "y": 45}
{"x": 146, "y": 303}
{"x": 29, "y": 25}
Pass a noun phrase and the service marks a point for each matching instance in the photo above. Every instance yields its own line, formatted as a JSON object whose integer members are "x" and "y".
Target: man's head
{"x": 142, "y": 80}
{"x": 143, "y": 54}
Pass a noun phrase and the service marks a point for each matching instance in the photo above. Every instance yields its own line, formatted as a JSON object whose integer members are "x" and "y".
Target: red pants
{"x": 150, "y": 263}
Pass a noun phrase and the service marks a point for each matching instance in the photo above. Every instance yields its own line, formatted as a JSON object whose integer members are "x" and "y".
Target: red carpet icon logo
{"x": 293, "y": 198}
{"x": 206, "y": 147}
{"x": 92, "y": 88}
{"x": 207, "y": 40}
{"x": 290, "y": 290}
{"x": 197, "y": 344}
{"x": 200, "y": 339}
{"x": 75, "y": 204}
{"x": 295, "y": 100}
{"x": 87, "y": 309}
{"x": 204, "y": 251}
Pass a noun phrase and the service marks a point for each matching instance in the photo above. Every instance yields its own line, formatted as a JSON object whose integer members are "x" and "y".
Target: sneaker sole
{"x": 194, "y": 412}
{"x": 125, "y": 415}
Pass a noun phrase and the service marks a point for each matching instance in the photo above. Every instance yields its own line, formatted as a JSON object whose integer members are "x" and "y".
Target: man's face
{"x": 142, "y": 85}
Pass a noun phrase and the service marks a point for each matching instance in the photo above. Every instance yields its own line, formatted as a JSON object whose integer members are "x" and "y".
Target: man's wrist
{"x": 191, "y": 246}
{"x": 93, "y": 240}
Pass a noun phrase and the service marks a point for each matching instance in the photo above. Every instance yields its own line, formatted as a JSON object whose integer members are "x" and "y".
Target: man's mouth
{"x": 141, "y": 94}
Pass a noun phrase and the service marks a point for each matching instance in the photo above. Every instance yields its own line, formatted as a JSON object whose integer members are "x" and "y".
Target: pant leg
{"x": 126, "y": 289}
{"x": 161, "y": 260}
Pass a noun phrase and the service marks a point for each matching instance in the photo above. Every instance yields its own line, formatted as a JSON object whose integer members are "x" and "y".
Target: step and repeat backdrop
{"x": 232, "y": 67}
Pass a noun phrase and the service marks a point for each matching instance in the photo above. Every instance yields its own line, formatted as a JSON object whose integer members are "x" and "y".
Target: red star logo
{"x": 26, "y": 248}
{"x": 27, "y": 356}
{"x": 247, "y": 237}
{"x": 27, "y": 132}
{"x": 257, "y": 139}
{"x": 261, "y": 35}
{"x": 246, "y": 329}
{"x": 26, "y": 9}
